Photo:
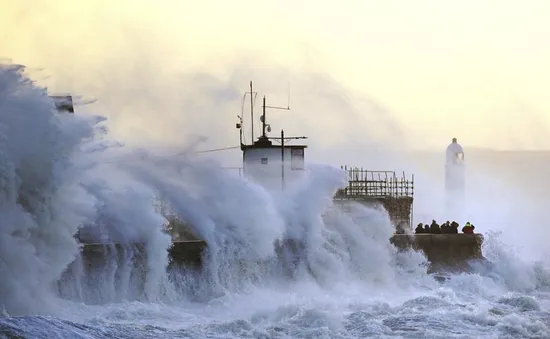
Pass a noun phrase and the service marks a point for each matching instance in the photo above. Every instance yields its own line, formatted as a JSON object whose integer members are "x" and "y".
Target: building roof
{"x": 266, "y": 143}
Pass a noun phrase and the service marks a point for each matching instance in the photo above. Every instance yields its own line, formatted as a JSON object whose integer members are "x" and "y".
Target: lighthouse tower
{"x": 270, "y": 160}
{"x": 455, "y": 181}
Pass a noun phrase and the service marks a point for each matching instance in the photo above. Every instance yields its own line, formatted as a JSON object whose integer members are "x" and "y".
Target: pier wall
{"x": 399, "y": 209}
{"x": 106, "y": 272}
{"x": 444, "y": 252}
{"x": 450, "y": 252}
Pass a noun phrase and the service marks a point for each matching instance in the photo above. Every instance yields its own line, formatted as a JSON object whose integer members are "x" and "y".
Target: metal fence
{"x": 376, "y": 184}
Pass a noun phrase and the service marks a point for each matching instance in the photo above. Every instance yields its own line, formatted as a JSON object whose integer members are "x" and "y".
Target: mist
{"x": 453, "y": 83}
{"x": 178, "y": 84}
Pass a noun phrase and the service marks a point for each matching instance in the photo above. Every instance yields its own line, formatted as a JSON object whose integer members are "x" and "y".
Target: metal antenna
{"x": 263, "y": 118}
{"x": 252, "y": 111}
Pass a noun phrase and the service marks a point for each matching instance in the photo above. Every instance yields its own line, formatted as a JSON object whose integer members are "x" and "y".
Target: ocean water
{"x": 61, "y": 171}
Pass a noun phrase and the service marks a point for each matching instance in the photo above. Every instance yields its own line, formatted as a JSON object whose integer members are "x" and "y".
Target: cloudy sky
{"x": 379, "y": 73}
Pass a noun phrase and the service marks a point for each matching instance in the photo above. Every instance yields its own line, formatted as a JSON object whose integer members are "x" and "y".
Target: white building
{"x": 273, "y": 165}
{"x": 455, "y": 181}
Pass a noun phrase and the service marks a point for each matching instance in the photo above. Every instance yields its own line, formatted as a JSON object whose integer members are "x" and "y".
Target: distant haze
{"x": 506, "y": 191}
{"x": 421, "y": 72}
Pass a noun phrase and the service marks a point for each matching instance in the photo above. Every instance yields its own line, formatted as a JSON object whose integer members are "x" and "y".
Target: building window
{"x": 297, "y": 159}
{"x": 264, "y": 161}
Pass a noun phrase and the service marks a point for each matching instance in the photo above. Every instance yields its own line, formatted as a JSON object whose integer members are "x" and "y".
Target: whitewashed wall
{"x": 263, "y": 166}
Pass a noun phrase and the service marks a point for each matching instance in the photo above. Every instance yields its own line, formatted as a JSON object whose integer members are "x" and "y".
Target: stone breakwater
{"x": 443, "y": 251}
{"x": 450, "y": 252}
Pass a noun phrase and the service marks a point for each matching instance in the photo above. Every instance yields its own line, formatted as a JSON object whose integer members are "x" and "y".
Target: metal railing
{"x": 376, "y": 184}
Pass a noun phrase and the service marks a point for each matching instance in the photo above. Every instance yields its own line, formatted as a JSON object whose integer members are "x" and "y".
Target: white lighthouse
{"x": 270, "y": 161}
{"x": 455, "y": 181}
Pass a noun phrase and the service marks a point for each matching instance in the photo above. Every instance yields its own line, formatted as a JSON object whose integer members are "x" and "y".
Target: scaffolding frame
{"x": 376, "y": 184}
{"x": 394, "y": 192}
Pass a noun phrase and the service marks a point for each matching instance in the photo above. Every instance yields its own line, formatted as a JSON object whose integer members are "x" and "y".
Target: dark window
{"x": 297, "y": 159}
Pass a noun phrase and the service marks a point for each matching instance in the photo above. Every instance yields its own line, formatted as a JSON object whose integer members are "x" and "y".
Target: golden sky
{"x": 421, "y": 71}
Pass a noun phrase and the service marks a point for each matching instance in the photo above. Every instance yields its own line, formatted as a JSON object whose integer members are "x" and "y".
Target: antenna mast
{"x": 263, "y": 119}
{"x": 252, "y": 111}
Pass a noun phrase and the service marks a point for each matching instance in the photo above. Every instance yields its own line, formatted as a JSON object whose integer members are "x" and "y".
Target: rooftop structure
{"x": 270, "y": 160}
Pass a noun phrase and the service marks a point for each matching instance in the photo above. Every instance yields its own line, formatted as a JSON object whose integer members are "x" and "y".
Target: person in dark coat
{"x": 434, "y": 228}
{"x": 446, "y": 228}
{"x": 454, "y": 227}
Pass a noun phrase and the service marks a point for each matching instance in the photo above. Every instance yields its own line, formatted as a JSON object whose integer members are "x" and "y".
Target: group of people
{"x": 446, "y": 228}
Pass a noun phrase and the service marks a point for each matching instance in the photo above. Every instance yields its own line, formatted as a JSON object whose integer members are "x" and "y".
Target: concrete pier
{"x": 182, "y": 252}
{"x": 449, "y": 252}
{"x": 105, "y": 271}
{"x": 445, "y": 252}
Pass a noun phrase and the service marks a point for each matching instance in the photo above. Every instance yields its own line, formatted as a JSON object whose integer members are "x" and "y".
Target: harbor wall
{"x": 450, "y": 252}
{"x": 399, "y": 208}
{"x": 445, "y": 252}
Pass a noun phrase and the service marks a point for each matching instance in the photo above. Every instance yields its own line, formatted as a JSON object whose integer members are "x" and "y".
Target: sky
{"x": 375, "y": 74}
